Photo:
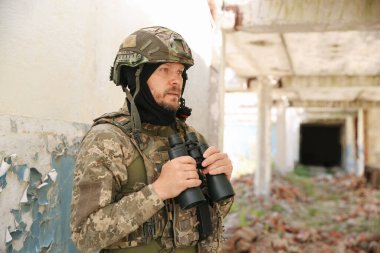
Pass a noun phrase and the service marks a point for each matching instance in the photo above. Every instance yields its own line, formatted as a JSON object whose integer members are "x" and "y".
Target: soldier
{"x": 124, "y": 184}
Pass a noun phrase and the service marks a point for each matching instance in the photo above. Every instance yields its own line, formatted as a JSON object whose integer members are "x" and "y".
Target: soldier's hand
{"x": 176, "y": 176}
{"x": 216, "y": 162}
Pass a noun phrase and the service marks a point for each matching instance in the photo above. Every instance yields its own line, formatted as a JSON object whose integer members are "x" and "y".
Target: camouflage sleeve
{"x": 225, "y": 206}
{"x": 101, "y": 169}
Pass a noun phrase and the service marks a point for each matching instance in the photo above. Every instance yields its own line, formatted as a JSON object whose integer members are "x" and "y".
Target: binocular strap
{"x": 204, "y": 218}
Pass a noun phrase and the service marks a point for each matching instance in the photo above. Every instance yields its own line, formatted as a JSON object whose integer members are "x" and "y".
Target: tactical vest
{"x": 171, "y": 227}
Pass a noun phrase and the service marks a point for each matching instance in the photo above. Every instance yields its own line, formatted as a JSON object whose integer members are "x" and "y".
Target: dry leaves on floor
{"x": 325, "y": 213}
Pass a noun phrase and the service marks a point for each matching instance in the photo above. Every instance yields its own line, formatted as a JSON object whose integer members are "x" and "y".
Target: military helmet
{"x": 154, "y": 44}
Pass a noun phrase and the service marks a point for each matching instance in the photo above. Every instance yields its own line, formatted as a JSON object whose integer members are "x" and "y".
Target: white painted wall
{"x": 56, "y": 55}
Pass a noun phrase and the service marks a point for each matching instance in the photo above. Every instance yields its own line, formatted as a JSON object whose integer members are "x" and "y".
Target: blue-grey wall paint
{"x": 50, "y": 229}
{"x": 35, "y": 191}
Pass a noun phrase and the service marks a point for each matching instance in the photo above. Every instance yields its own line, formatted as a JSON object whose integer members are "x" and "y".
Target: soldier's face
{"x": 166, "y": 83}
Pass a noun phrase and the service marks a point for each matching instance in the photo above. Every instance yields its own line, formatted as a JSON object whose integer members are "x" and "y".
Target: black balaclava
{"x": 149, "y": 110}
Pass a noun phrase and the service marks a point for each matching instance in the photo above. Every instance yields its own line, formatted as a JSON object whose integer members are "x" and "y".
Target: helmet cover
{"x": 155, "y": 44}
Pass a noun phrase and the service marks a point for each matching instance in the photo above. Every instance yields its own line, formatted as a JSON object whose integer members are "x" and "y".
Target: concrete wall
{"x": 56, "y": 55}
{"x": 372, "y": 138}
{"x": 54, "y": 70}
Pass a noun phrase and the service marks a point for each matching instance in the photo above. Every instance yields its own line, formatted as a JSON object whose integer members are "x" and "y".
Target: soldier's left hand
{"x": 216, "y": 162}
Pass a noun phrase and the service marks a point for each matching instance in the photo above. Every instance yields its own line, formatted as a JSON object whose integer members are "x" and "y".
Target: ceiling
{"x": 324, "y": 53}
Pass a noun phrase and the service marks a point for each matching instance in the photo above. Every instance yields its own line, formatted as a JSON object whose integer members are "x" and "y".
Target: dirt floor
{"x": 321, "y": 213}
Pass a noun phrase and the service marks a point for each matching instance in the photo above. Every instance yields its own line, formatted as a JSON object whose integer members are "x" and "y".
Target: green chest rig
{"x": 172, "y": 227}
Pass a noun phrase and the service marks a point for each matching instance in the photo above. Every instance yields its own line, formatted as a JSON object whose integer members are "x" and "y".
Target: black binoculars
{"x": 219, "y": 187}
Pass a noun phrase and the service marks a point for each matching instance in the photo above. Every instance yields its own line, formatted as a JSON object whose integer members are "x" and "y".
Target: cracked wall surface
{"x": 36, "y": 169}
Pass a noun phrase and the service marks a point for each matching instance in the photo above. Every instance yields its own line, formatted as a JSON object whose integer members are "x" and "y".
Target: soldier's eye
{"x": 164, "y": 69}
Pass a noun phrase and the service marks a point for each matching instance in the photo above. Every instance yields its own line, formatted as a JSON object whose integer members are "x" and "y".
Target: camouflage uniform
{"x": 110, "y": 212}
{"x": 114, "y": 205}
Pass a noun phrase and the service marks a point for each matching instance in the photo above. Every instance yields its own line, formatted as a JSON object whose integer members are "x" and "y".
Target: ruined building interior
{"x": 315, "y": 71}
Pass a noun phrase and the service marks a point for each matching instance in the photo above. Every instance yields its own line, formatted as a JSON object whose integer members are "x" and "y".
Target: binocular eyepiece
{"x": 219, "y": 187}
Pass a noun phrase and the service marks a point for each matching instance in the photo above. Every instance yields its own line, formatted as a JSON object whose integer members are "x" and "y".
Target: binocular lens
{"x": 191, "y": 197}
{"x": 219, "y": 187}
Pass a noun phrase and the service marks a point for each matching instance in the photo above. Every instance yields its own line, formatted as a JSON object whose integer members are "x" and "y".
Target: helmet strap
{"x": 135, "y": 116}
{"x": 183, "y": 111}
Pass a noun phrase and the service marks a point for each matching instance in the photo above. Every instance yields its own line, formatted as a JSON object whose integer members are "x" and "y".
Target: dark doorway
{"x": 320, "y": 145}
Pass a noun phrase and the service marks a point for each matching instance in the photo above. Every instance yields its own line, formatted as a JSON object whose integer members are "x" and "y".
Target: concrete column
{"x": 350, "y": 148}
{"x": 293, "y": 137}
{"x": 263, "y": 158}
{"x": 281, "y": 138}
{"x": 360, "y": 161}
{"x": 222, "y": 90}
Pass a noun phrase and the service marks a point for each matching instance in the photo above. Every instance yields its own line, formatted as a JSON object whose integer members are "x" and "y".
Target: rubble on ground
{"x": 325, "y": 213}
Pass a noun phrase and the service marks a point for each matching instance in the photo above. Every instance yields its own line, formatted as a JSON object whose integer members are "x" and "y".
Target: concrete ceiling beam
{"x": 329, "y": 81}
{"x": 334, "y": 104}
{"x": 282, "y": 16}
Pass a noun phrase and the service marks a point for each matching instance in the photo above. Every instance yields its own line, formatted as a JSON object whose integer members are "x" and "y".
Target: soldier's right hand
{"x": 176, "y": 176}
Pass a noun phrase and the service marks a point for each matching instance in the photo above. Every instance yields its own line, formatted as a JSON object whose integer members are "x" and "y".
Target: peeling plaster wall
{"x": 36, "y": 180}
{"x": 373, "y": 137}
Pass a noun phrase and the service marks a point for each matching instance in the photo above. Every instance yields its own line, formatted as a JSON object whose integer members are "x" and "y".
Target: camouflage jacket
{"x": 108, "y": 211}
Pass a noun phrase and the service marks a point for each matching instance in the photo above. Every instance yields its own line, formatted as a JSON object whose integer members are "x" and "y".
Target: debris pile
{"x": 325, "y": 213}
